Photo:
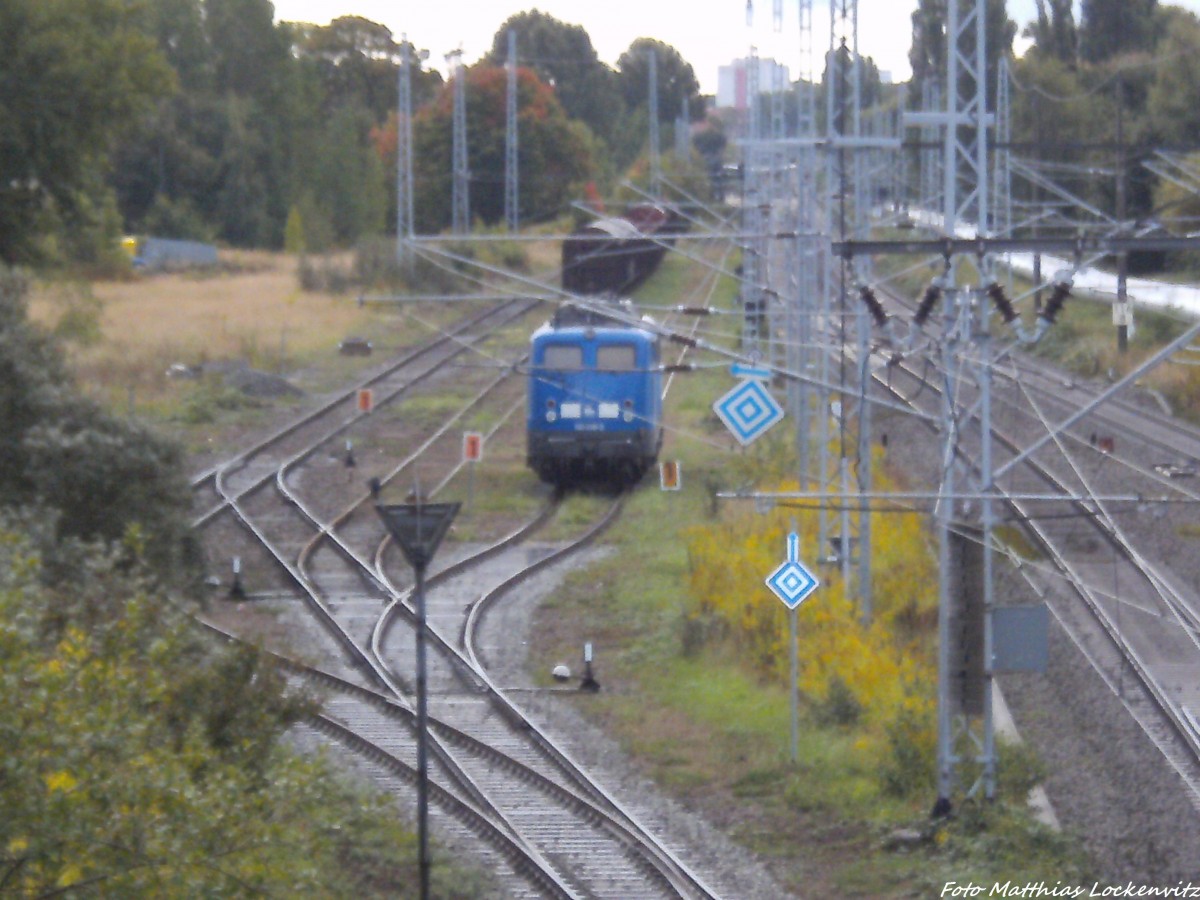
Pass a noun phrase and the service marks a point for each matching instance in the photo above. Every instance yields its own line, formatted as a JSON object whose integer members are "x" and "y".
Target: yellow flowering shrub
{"x": 881, "y": 671}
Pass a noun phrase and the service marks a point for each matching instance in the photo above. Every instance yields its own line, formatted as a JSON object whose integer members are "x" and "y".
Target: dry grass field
{"x": 122, "y": 336}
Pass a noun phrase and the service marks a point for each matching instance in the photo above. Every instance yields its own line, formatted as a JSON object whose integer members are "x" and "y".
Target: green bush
{"x": 210, "y": 397}
{"x": 94, "y": 475}
{"x": 839, "y": 706}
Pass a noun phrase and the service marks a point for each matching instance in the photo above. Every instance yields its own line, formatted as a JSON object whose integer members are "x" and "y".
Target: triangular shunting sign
{"x": 418, "y": 528}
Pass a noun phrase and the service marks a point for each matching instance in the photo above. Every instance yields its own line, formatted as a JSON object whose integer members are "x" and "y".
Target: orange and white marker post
{"x": 472, "y": 453}
{"x": 670, "y": 475}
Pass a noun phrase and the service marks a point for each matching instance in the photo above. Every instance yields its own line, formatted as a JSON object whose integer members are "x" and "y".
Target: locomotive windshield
{"x": 616, "y": 358}
{"x": 563, "y": 356}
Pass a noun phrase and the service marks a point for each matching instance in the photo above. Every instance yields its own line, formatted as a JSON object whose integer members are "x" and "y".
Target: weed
{"x": 839, "y": 706}
{"x": 79, "y": 312}
{"x": 209, "y": 399}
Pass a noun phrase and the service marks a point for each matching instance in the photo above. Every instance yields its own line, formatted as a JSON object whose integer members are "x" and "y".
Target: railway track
{"x": 254, "y": 465}
{"x": 531, "y": 809}
{"x": 1143, "y": 631}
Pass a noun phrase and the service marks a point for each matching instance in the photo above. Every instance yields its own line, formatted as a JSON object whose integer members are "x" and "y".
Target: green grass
{"x": 1019, "y": 542}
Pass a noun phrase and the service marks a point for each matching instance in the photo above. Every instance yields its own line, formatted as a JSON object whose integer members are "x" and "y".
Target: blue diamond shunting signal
{"x": 748, "y": 410}
{"x": 792, "y": 582}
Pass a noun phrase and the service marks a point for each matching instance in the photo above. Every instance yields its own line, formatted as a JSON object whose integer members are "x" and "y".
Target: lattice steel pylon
{"x": 1001, "y": 200}
{"x": 966, "y": 352}
{"x": 511, "y": 179}
{"x": 460, "y": 218}
{"x": 806, "y": 92}
{"x": 930, "y": 188}
{"x": 967, "y": 197}
{"x": 966, "y": 148}
{"x": 808, "y": 257}
{"x": 655, "y": 162}
{"x": 682, "y": 137}
{"x": 753, "y": 249}
{"x": 848, "y": 215}
{"x": 404, "y": 179}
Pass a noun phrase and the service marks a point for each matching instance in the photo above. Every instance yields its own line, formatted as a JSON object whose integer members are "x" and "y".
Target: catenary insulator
{"x": 1000, "y": 300}
{"x": 874, "y": 307}
{"x": 933, "y": 293}
{"x": 1054, "y": 305}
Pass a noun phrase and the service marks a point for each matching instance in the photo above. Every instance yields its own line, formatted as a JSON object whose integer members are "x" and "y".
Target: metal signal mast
{"x": 964, "y": 705}
{"x": 460, "y": 203}
{"x": 404, "y": 160}
{"x": 655, "y": 165}
{"x": 511, "y": 192}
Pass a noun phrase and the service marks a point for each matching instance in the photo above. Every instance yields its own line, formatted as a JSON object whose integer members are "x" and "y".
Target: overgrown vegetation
{"x": 90, "y": 474}
{"x": 142, "y": 757}
{"x": 875, "y": 675}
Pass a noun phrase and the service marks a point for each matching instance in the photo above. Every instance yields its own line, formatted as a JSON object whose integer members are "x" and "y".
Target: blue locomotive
{"x": 595, "y": 400}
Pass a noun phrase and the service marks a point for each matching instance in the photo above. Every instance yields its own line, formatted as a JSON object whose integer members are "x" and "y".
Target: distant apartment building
{"x": 733, "y": 81}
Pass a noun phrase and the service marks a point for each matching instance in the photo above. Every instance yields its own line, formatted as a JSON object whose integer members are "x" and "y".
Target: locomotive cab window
{"x": 616, "y": 358}
{"x": 562, "y": 356}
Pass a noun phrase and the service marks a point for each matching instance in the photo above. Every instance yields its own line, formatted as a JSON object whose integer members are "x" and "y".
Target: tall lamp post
{"x": 419, "y": 528}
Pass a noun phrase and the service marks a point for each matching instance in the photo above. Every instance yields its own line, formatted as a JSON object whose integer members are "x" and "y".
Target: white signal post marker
{"x": 792, "y": 582}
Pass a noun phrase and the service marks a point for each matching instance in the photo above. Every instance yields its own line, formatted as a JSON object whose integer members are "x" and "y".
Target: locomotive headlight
{"x": 628, "y": 416}
{"x": 551, "y": 415}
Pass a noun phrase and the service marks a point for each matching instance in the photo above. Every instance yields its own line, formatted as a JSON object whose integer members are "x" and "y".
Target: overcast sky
{"x": 709, "y": 33}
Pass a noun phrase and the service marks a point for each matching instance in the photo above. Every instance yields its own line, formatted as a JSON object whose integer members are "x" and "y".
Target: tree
{"x": 97, "y": 477}
{"x": 927, "y": 54}
{"x": 1054, "y": 111}
{"x": 356, "y": 61}
{"x": 1054, "y": 32}
{"x": 556, "y": 156}
{"x": 710, "y": 142}
{"x": 870, "y": 82}
{"x": 347, "y": 184}
{"x": 257, "y": 128}
{"x": 1108, "y": 28}
{"x": 178, "y": 29}
{"x": 562, "y": 56}
{"x": 1173, "y": 98}
{"x": 675, "y": 78}
{"x": 76, "y": 75}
